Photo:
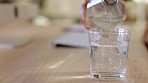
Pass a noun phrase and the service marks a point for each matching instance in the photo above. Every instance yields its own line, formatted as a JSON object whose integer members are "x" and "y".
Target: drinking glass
{"x": 109, "y": 52}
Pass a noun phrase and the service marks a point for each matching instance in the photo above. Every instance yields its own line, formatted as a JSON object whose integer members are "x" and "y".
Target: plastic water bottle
{"x": 102, "y": 14}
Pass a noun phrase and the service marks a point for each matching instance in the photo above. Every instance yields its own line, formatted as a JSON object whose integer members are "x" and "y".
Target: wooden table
{"x": 40, "y": 62}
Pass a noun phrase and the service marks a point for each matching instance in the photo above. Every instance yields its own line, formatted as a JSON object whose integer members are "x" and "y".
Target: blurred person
{"x": 145, "y": 37}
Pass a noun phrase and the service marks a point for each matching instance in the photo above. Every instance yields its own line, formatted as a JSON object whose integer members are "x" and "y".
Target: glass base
{"x": 108, "y": 75}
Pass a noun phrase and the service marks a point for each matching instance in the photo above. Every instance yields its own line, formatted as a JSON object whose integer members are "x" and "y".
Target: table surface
{"x": 38, "y": 61}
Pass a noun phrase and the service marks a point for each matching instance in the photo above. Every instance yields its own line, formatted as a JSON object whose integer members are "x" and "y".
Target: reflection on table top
{"x": 40, "y": 62}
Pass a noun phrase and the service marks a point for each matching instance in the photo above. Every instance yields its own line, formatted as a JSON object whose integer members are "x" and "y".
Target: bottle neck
{"x": 110, "y": 2}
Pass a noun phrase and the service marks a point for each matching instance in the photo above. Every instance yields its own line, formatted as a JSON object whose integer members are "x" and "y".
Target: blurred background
{"x": 59, "y": 11}
{"x": 67, "y": 11}
{"x": 47, "y": 13}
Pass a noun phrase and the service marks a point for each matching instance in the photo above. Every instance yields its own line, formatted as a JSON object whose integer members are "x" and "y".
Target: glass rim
{"x": 121, "y": 29}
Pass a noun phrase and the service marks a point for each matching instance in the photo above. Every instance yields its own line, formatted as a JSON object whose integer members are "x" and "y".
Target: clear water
{"x": 108, "y": 61}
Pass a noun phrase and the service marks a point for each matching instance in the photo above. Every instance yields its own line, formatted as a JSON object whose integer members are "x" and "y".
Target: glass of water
{"x": 109, "y": 53}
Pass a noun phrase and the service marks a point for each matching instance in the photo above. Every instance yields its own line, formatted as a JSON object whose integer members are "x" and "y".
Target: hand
{"x": 84, "y": 16}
